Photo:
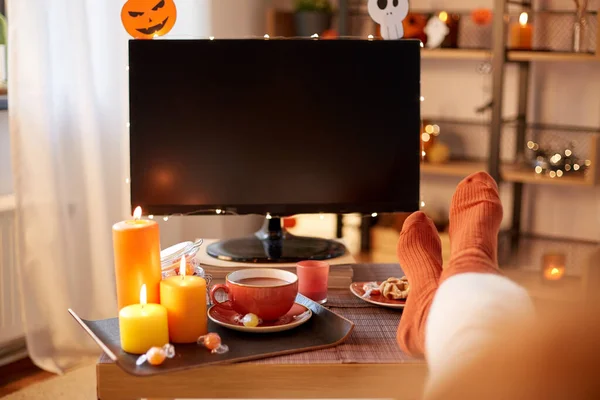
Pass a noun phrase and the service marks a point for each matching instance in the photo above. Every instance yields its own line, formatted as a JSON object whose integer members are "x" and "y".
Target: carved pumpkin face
{"x": 145, "y": 19}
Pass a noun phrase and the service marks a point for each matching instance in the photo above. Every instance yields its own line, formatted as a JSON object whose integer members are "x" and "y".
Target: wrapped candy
{"x": 249, "y": 320}
{"x": 371, "y": 288}
{"x": 157, "y": 355}
{"x": 212, "y": 341}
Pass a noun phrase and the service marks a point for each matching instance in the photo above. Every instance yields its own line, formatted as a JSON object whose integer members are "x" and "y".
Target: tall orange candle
{"x": 184, "y": 297}
{"x": 521, "y": 33}
{"x": 136, "y": 246}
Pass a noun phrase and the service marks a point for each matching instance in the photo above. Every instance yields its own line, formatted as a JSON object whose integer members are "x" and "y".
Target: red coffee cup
{"x": 268, "y": 293}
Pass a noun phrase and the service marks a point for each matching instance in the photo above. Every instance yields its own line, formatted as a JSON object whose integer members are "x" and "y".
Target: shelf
{"x": 510, "y": 173}
{"x": 454, "y": 168}
{"x": 516, "y": 55}
{"x": 455, "y": 54}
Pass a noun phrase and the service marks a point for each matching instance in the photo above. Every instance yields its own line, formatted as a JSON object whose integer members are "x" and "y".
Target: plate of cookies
{"x": 391, "y": 293}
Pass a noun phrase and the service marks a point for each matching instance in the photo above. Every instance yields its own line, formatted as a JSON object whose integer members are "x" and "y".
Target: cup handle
{"x": 213, "y": 293}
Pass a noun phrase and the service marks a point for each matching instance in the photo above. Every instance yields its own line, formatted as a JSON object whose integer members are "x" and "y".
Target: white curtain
{"x": 68, "y": 115}
{"x": 68, "y": 102}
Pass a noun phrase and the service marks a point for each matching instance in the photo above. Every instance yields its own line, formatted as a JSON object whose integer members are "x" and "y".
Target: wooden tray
{"x": 325, "y": 329}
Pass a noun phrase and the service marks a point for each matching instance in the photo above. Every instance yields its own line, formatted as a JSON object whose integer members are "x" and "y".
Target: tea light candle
{"x": 142, "y": 326}
{"x": 136, "y": 247}
{"x": 521, "y": 33}
{"x": 184, "y": 297}
{"x": 553, "y": 267}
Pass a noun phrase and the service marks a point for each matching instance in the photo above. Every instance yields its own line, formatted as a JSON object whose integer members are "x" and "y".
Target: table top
{"x": 373, "y": 340}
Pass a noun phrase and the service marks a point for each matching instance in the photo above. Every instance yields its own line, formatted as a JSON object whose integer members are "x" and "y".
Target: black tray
{"x": 325, "y": 329}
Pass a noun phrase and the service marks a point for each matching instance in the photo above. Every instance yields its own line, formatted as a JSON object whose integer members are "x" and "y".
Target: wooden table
{"x": 368, "y": 365}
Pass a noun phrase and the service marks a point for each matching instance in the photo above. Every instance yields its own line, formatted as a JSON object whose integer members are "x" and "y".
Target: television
{"x": 275, "y": 127}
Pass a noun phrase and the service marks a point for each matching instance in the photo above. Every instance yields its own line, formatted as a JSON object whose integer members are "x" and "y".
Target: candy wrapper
{"x": 212, "y": 341}
{"x": 157, "y": 355}
{"x": 248, "y": 320}
{"x": 371, "y": 288}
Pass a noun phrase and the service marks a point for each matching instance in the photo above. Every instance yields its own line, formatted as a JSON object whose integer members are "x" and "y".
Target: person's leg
{"x": 474, "y": 293}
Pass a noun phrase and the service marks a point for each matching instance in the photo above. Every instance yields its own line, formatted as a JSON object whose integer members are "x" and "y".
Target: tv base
{"x": 273, "y": 244}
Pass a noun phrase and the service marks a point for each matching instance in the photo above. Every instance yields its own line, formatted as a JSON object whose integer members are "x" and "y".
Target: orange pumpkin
{"x": 146, "y": 19}
{"x": 414, "y": 26}
{"x": 329, "y": 34}
{"x": 481, "y": 16}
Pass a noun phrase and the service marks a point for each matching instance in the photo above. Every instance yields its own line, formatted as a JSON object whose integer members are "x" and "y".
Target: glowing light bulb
{"x": 436, "y": 130}
{"x": 151, "y": 216}
{"x": 315, "y": 36}
{"x": 267, "y": 36}
{"x": 568, "y": 167}
{"x": 321, "y": 217}
{"x": 127, "y": 68}
{"x": 374, "y": 215}
{"x": 538, "y": 170}
{"x": 370, "y": 37}
{"x": 422, "y": 204}
{"x": 559, "y": 173}
{"x": 137, "y": 213}
{"x": 552, "y": 174}
{"x": 211, "y": 38}
{"x": 155, "y": 35}
{"x": 422, "y": 98}
{"x": 523, "y": 18}
{"x": 425, "y": 137}
{"x": 568, "y": 152}
{"x": 530, "y": 145}
{"x": 128, "y": 124}
{"x": 165, "y": 219}
{"x": 576, "y": 167}
{"x": 269, "y": 216}
{"x": 422, "y": 45}
{"x": 429, "y": 129}
{"x": 423, "y": 153}
{"x": 127, "y": 181}
{"x": 218, "y": 211}
{"x": 588, "y": 163}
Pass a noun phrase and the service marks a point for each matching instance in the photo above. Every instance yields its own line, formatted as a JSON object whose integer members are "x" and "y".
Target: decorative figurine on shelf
{"x": 482, "y": 16}
{"x": 147, "y": 19}
{"x": 436, "y": 30}
{"x": 556, "y": 164}
{"x": 389, "y": 14}
{"x": 414, "y": 27}
{"x": 580, "y": 26}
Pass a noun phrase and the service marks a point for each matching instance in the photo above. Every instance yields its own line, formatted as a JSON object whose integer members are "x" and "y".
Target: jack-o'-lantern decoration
{"x": 482, "y": 16}
{"x": 414, "y": 26}
{"x": 146, "y": 19}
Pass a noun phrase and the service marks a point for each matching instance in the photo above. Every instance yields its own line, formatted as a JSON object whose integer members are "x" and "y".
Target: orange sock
{"x": 475, "y": 217}
{"x": 420, "y": 254}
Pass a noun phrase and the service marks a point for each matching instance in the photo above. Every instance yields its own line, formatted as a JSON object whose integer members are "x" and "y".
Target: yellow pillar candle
{"x": 521, "y": 34}
{"x": 184, "y": 297}
{"x": 136, "y": 246}
{"x": 142, "y": 326}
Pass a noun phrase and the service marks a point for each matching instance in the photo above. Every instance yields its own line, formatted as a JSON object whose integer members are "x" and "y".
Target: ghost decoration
{"x": 436, "y": 31}
{"x": 389, "y": 14}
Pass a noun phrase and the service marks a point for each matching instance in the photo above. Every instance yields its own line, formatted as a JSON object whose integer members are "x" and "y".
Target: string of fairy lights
{"x": 221, "y": 211}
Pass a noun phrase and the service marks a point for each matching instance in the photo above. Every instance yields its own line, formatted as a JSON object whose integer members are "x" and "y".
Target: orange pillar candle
{"x": 142, "y": 326}
{"x": 136, "y": 246}
{"x": 521, "y": 34}
{"x": 184, "y": 297}
{"x": 553, "y": 266}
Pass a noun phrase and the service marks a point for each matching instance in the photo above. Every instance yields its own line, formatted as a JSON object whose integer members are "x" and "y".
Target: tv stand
{"x": 273, "y": 244}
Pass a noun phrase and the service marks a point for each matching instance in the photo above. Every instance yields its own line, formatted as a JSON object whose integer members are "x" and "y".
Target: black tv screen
{"x": 274, "y": 126}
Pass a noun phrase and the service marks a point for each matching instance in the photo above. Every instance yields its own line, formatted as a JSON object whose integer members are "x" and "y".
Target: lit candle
{"x": 521, "y": 33}
{"x": 136, "y": 246}
{"x": 553, "y": 267}
{"x": 184, "y": 297}
{"x": 142, "y": 326}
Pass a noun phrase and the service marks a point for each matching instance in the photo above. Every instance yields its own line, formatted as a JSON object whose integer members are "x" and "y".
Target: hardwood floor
{"x": 20, "y": 374}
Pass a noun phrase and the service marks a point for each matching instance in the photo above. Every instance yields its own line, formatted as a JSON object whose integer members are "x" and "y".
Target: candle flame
{"x": 443, "y": 16}
{"x": 554, "y": 271}
{"x": 143, "y": 297}
{"x": 137, "y": 213}
{"x": 182, "y": 267}
{"x": 523, "y": 18}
